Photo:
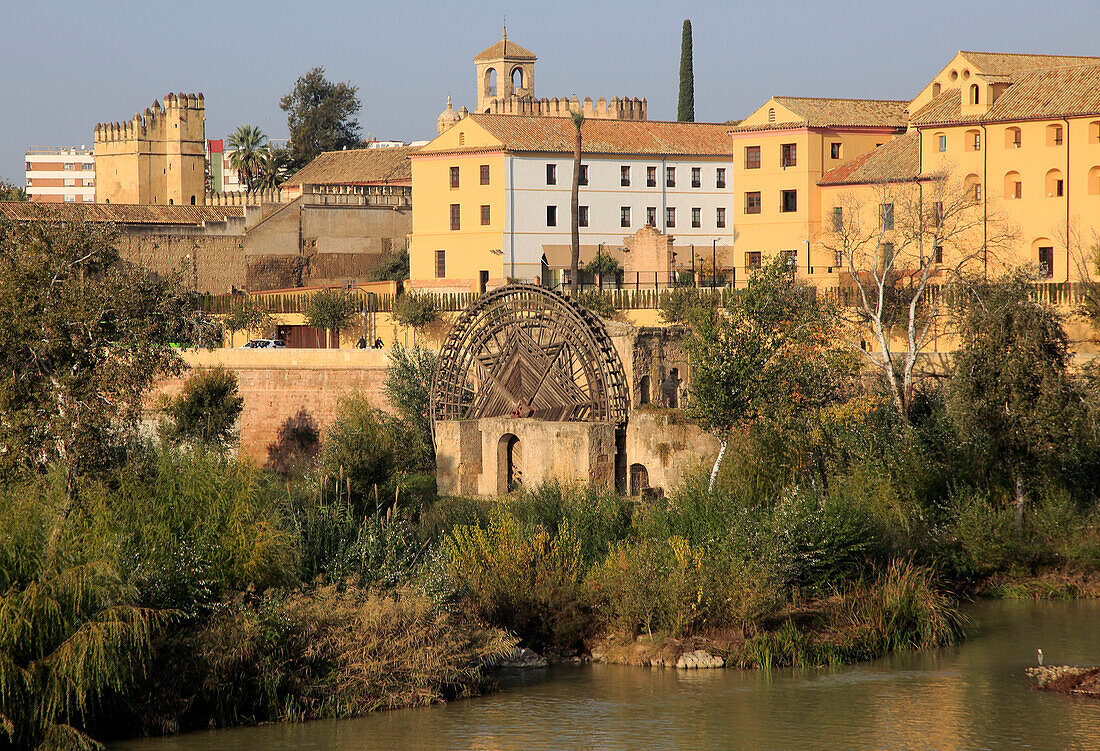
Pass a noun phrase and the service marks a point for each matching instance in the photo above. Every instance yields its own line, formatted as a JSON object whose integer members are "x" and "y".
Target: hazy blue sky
{"x": 69, "y": 65}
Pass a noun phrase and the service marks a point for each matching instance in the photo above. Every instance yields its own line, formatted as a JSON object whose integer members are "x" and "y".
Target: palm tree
{"x": 248, "y": 142}
{"x": 574, "y": 207}
{"x": 271, "y": 169}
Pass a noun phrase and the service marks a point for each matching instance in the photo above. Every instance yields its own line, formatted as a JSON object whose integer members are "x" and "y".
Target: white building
{"x": 61, "y": 175}
{"x": 507, "y": 180}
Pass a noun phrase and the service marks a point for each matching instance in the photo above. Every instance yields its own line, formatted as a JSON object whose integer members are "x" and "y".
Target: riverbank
{"x": 1068, "y": 679}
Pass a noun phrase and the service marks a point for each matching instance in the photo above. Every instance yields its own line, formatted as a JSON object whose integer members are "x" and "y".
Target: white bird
{"x": 1040, "y": 652}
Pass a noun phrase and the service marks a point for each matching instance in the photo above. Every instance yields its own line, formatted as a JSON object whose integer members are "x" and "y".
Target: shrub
{"x": 680, "y": 305}
{"x": 338, "y": 653}
{"x": 528, "y": 582}
{"x": 985, "y": 533}
{"x": 407, "y": 386}
{"x": 251, "y": 315}
{"x": 598, "y": 303}
{"x": 415, "y": 310}
{"x": 207, "y": 408}
{"x": 359, "y": 451}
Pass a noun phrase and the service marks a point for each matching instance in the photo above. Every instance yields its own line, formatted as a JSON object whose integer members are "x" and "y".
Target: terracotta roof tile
{"x": 121, "y": 213}
{"x": 357, "y": 167}
{"x": 1009, "y": 63}
{"x": 507, "y": 49}
{"x": 817, "y": 112}
{"x": 1055, "y": 92}
{"x": 893, "y": 161}
{"x": 555, "y": 135}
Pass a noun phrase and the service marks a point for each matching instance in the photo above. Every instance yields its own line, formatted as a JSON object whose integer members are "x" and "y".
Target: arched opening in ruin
{"x": 509, "y": 463}
{"x": 643, "y": 390}
{"x": 639, "y": 479}
{"x": 672, "y": 388}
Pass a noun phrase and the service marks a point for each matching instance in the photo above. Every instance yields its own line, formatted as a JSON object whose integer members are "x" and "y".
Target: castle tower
{"x": 504, "y": 70}
{"x": 157, "y": 157}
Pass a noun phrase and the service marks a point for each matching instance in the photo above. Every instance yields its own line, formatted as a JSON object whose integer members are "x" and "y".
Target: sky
{"x": 70, "y": 65}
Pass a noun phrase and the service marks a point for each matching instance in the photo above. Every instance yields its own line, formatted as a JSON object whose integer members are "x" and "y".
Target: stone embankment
{"x": 1066, "y": 679}
{"x": 646, "y": 652}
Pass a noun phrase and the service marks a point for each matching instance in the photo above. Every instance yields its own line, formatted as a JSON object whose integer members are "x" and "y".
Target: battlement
{"x": 627, "y": 108}
{"x": 152, "y": 122}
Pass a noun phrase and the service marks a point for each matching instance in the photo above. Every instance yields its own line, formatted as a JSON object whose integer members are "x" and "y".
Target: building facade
{"x": 61, "y": 175}
{"x": 494, "y": 198}
{"x": 158, "y": 157}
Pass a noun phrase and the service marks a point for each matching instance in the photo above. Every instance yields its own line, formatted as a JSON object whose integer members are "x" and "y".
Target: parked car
{"x": 263, "y": 344}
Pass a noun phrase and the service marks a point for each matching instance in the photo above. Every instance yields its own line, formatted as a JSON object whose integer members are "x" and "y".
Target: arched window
{"x": 1094, "y": 181}
{"x": 517, "y": 78}
{"x": 974, "y": 93}
{"x": 1042, "y": 252}
{"x": 1013, "y": 185}
{"x": 491, "y": 82}
{"x": 1054, "y": 135}
{"x": 1013, "y": 138}
{"x": 973, "y": 140}
{"x": 771, "y": 115}
{"x": 171, "y": 202}
{"x": 973, "y": 187}
{"x": 1094, "y": 131}
{"x": 509, "y": 464}
{"x": 192, "y": 200}
{"x": 935, "y": 89}
{"x": 1055, "y": 184}
{"x": 672, "y": 388}
{"x": 643, "y": 390}
{"x": 639, "y": 479}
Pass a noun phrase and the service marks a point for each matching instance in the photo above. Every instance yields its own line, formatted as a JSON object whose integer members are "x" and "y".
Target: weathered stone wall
{"x": 276, "y": 384}
{"x": 668, "y": 446}
{"x": 211, "y": 257}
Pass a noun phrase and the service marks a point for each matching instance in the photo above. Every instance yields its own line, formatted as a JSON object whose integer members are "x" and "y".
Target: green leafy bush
{"x": 598, "y": 303}
{"x": 415, "y": 310}
{"x": 207, "y": 408}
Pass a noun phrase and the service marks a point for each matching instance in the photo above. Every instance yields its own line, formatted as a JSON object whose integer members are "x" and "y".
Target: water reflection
{"x": 974, "y": 696}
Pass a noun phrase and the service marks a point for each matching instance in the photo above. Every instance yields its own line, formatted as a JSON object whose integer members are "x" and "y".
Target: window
{"x": 651, "y": 177}
{"x": 941, "y": 142}
{"x": 485, "y": 174}
{"x": 89, "y": 166}
{"x": 937, "y": 213}
{"x": 69, "y": 165}
{"x": 624, "y": 176}
{"x": 973, "y": 140}
{"x": 752, "y": 157}
{"x": 485, "y": 215}
{"x": 651, "y": 216}
{"x": 70, "y": 182}
{"x": 454, "y": 177}
{"x": 937, "y": 254}
{"x": 456, "y": 216}
{"x": 670, "y": 177}
{"x": 834, "y": 150}
{"x": 551, "y": 174}
{"x": 624, "y": 216}
{"x": 788, "y": 155}
{"x": 1058, "y": 188}
{"x": 696, "y": 218}
{"x": 973, "y": 93}
{"x": 838, "y": 259}
{"x": 838, "y": 219}
{"x": 670, "y": 217}
{"x": 752, "y": 202}
{"x": 1013, "y": 185}
{"x": 582, "y": 216}
{"x": 440, "y": 264}
{"x": 788, "y": 201}
{"x": 551, "y": 216}
{"x": 29, "y": 182}
{"x": 1054, "y": 184}
{"x": 720, "y": 217}
{"x": 790, "y": 258}
{"x": 771, "y": 114}
{"x": 887, "y": 255}
{"x": 752, "y": 259}
{"x": 461, "y": 138}
{"x": 1046, "y": 262}
{"x": 696, "y": 177}
{"x": 1054, "y": 135}
{"x": 886, "y": 215}
{"x": 582, "y": 179}
{"x": 70, "y": 199}
{"x": 1013, "y": 138}
{"x": 720, "y": 178}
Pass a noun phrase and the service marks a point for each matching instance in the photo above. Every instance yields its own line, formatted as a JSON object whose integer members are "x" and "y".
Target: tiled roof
{"x": 121, "y": 213}
{"x": 893, "y": 161}
{"x": 1011, "y": 63}
{"x": 1056, "y": 92}
{"x": 816, "y": 112}
{"x": 507, "y": 49}
{"x": 357, "y": 167}
{"x": 556, "y": 134}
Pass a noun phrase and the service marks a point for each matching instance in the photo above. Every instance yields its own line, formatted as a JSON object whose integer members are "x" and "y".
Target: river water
{"x": 974, "y": 696}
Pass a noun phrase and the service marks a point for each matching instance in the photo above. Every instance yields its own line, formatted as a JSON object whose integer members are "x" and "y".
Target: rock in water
{"x": 700, "y": 658}
{"x": 520, "y": 657}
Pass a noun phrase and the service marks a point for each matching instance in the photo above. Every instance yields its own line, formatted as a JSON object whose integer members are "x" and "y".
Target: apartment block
{"x": 61, "y": 175}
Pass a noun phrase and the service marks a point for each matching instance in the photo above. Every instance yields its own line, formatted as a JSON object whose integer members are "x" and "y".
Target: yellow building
{"x": 158, "y": 157}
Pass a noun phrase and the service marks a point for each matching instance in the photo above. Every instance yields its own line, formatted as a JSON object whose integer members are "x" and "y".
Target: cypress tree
{"x": 685, "y": 112}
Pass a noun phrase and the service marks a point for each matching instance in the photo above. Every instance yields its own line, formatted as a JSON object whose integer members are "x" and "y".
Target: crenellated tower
{"x": 158, "y": 156}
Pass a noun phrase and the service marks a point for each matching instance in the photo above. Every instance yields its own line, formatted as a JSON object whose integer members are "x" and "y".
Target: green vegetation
{"x": 597, "y": 302}
{"x": 685, "y": 108}
{"x": 415, "y": 310}
{"x": 250, "y": 316}
{"x": 321, "y": 116}
{"x": 12, "y": 192}
{"x": 158, "y": 586}
{"x": 331, "y": 310}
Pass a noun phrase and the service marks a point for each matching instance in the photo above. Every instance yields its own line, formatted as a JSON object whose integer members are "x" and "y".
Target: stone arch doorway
{"x": 509, "y": 463}
{"x": 639, "y": 479}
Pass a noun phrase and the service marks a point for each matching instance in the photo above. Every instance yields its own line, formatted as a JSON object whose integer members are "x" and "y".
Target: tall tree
{"x": 685, "y": 111}
{"x": 249, "y": 146}
{"x": 773, "y": 356}
{"x": 1010, "y": 392}
{"x": 331, "y": 310}
{"x": 12, "y": 192}
{"x": 575, "y": 209}
{"x": 321, "y": 116}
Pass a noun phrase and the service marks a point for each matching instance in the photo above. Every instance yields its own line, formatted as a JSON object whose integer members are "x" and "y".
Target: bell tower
{"x": 504, "y": 70}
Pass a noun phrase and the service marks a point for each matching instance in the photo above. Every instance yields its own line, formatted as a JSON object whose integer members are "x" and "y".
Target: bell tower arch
{"x": 504, "y": 70}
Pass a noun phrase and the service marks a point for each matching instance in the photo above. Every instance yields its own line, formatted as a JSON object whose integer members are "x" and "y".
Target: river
{"x": 974, "y": 696}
